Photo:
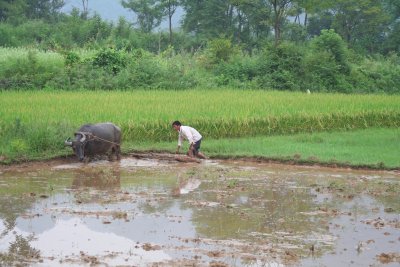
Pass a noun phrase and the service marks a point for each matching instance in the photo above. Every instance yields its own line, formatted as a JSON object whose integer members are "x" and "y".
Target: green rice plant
{"x": 44, "y": 119}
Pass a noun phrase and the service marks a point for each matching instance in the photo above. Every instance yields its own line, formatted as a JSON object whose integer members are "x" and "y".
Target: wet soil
{"x": 158, "y": 210}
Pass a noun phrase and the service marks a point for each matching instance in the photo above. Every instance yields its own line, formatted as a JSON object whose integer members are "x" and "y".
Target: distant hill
{"x": 111, "y": 10}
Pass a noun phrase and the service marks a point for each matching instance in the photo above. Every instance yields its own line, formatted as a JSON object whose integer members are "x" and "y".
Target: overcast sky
{"x": 111, "y": 10}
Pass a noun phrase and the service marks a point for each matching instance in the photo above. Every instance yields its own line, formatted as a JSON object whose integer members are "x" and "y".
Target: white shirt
{"x": 188, "y": 133}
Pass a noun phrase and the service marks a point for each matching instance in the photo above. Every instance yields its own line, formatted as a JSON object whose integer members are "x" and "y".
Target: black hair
{"x": 178, "y": 123}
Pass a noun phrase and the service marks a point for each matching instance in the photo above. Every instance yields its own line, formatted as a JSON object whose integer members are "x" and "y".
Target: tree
{"x": 11, "y": 9}
{"x": 316, "y": 24}
{"x": 85, "y": 7}
{"x": 252, "y": 19}
{"x": 207, "y": 19}
{"x": 168, "y": 8}
{"x": 17, "y": 10}
{"x": 149, "y": 13}
{"x": 393, "y": 6}
{"x": 43, "y": 9}
{"x": 280, "y": 10}
{"x": 311, "y": 7}
{"x": 332, "y": 43}
{"x": 362, "y": 23}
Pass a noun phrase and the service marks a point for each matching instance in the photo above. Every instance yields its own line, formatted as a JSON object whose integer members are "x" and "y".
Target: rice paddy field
{"x": 39, "y": 121}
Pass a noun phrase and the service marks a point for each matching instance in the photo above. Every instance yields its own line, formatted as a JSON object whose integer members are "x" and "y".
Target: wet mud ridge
{"x": 185, "y": 158}
{"x": 158, "y": 209}
{"x": 164, "y": 156}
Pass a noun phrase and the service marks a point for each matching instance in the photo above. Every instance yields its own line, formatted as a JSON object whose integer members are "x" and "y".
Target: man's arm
{"x": 188, "y": 135}
{"x": 180, "y": 139}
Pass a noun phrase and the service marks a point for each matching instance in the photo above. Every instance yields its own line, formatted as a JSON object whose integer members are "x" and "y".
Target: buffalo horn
{"x": 83, "y": 138}
{"x": 68, "y": 142}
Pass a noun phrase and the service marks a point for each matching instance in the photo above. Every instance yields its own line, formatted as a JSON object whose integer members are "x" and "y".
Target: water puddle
{"x": 149, "y": 212}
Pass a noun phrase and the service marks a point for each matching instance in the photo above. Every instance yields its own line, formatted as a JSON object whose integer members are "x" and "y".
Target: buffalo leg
{"x": 117, "y": 151}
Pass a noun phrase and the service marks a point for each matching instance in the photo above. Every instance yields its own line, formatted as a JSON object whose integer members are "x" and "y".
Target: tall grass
{"x": 8, "y": 54}
{"x": 40, "y": 120}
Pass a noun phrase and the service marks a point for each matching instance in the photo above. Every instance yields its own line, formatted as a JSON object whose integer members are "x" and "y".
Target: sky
{"x": 111, "y": 10}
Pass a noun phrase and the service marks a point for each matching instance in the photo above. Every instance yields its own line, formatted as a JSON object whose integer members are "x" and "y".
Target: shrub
{"x": 326, "y": 64}
{"x": 238, "y": 71}
{"x": 331, "y": 43}
{"x": 71, "y": 58}
{"x": 110, "y": 59}
{"x": 281, "y": 67}
{"x": 219, "y": 50}
{"x": 323, "y": 73}
{"x": 28, "y": 69}
{"x": 377, "y": 75}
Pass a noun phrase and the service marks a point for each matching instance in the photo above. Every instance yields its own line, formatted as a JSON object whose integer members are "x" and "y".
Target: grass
{"x": 34, "y": 124}
{"x": 143, "y": 106}
{"x": 374, "y": 148}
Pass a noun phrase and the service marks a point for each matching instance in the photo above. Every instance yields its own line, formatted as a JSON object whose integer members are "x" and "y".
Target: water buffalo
{"x": 96, "y": 139}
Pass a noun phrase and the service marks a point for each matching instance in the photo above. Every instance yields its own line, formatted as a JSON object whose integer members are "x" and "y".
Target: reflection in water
{"x": 100, "y": 246}
{"x": 16, "y": 248}
{"x": 145, "y": 212}
{"x": 104, "y": 178}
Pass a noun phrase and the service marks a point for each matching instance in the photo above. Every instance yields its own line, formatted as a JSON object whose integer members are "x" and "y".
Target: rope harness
{"x": 90, "y": 137}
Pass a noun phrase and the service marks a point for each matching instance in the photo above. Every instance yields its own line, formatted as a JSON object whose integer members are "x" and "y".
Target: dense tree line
{"x": 331, "y": 45}
{"x": 367, "y": 26}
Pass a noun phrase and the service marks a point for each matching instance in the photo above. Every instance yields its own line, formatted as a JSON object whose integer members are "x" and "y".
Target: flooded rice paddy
{"x": 148, "y": 212}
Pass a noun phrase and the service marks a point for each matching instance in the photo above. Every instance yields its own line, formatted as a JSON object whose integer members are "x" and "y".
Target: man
{"x": 190, "y": 134}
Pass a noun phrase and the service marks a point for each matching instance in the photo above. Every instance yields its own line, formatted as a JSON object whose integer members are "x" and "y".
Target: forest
{"x": 346, "y": 46}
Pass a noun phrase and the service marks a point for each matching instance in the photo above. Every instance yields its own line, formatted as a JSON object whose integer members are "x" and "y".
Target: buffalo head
{"x": 78, "y": 145}
{"x": 95, "y": 140}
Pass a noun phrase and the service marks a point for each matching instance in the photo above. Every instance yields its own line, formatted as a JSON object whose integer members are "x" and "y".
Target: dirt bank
{"x": 157, "y": 155}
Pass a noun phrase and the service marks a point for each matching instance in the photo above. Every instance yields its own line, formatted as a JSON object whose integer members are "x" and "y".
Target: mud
{"x": 156, "y": 210}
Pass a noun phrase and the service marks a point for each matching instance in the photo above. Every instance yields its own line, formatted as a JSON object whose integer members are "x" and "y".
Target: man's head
{"x": 176, "y": 125}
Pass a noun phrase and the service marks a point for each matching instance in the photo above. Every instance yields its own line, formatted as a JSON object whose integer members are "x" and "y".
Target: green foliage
{"x": 34, "y": 139}
{"x": 219, "y": 50}
{"x": 333, "y": 44}
{"x": 148, "y": 71}
{"x": 208, "y": 19}
{"x": 281, "y": 67}
{"x": 285, "y": 67}
{"x": 26, "y": 34}
{"x": 324, "y": 74}
{"x": 294, "y": 33}
{"x": 16, "y": 11}
{"x": 393, "y": 42}
{"x": 240, "y": 71}
{"x": 38, "y": 122}
{"x": 110, "y": 59}
{"x": 366, "y": 26}
{"x": 18, "y": 146}
{"x": 28, "y": 69}
{"x": 361, "y": 23}
{"x": 71, "y": 58}
{"x": 348, "y": 147}
{"x": 327, "y": 64}
{"x": 149, "y": 13}
{"x": 377, "y": 75}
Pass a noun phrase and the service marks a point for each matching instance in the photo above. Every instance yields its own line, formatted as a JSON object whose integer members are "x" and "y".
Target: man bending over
{"x": 190, "y": 134}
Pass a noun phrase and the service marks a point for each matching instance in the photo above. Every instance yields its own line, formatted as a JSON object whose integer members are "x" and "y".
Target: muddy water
{"x": 143, "y": 212}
